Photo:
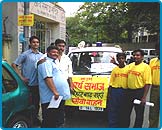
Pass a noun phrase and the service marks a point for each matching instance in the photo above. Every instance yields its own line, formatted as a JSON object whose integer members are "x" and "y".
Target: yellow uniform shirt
{"x": 155, "y": 71}
{"x": 119, "y": 77}
{"x": 139, "y": 75}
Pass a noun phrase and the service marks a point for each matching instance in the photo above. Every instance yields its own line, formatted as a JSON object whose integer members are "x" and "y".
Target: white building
{"x": 143, "y": 35}
{"x": 49, "y": 24}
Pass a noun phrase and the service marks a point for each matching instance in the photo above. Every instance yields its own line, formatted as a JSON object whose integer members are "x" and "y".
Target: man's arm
{"x": 71, "y": 83}
{"x": 15, "y": 67}
{"x": 146, "y": 89}
{"x": 70, "y": 74}
{"x": 52, "y": 87}
{"x": 113, "y": 61}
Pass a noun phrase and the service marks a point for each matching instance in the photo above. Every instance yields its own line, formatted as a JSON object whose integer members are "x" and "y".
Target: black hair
{"x": 139, "y": 50}
{"x": 59, "y": 41}
{"x": 33, "y": 37}
{"x": 51, "y": 47}
{"x": 52, "y": 43}
{"x": 120, "y": 54}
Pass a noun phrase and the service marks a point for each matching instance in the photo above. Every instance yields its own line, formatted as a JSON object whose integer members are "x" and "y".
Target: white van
{"x": 149, "y": 54}
{"x": 91, "y": 73}
{"x": 129, "y": 54}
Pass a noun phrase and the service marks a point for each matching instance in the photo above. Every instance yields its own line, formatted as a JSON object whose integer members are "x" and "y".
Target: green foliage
{"x": 112, "y": 21}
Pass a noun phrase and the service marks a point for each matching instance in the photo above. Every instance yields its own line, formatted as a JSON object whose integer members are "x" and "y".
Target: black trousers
{"x": 52, "y": 117}
{"x": 35, "y": 100}
{"x": 127, "y": 107}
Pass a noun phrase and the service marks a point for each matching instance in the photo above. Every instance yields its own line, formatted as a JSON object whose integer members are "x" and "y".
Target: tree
{"x": 114, "y": 21}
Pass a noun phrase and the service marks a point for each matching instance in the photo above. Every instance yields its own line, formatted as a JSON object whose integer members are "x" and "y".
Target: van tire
{"x": 19, "y": 121}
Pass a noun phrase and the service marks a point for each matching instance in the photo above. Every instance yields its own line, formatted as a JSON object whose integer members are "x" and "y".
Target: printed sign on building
{"x": 89, "y": 91}
{"x": 26, "y": 20}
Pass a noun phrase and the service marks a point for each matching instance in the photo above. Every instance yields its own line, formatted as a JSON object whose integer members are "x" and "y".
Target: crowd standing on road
{"x": 28, "y": 72}
{"x": 138, "y": 84}
{"x": 54, "y": 72}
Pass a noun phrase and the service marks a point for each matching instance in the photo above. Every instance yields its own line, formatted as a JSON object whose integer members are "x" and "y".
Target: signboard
{"x": 26, "y": 20}
{"x": 89, "y": 91}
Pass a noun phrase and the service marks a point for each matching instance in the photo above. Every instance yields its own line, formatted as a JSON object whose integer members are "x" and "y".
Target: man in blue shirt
{"x": 28, "y": 72}
{"x": 52, "y": 83}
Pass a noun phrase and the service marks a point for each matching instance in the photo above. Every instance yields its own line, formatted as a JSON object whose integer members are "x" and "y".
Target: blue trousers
{"x": 115, "y": 101}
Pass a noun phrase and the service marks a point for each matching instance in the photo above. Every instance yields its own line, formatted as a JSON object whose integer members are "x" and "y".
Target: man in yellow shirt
{"x": 118, "y": 83}
{"x": 155, "y": 89}
{"x": 139, "y": 81}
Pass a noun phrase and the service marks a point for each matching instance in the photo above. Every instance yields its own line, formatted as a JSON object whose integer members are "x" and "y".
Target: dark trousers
{"x": 35, "y": 100}
{"x": 52, "y": 117}
{"x": 127, "y": 107}
{"x": 114, "y": 106}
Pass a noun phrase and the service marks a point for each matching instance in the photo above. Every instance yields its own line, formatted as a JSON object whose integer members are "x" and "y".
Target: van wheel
{"x": 19, "y": 122}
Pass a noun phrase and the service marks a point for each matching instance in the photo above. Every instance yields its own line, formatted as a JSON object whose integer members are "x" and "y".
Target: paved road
{"x": 99, "y": 120}
{"x": 86, "y": 119}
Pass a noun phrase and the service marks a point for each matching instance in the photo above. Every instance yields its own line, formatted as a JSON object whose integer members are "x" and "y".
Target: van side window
{"x": 152, "y": 52}
{"x": 9, "y": 83}
{"x": 74, "y": 59}
{"x": 85, "y": 60}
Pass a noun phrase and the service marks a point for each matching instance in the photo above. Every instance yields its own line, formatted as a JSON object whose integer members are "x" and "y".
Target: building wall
{"x": 52, "y": 15}
{"x": 11, "y": 48}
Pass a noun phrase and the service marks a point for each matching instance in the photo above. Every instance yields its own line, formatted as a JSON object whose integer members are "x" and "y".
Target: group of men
{"x": 132, "y": 82}
{"x": 49, "y": 75}
{"x": 46, "y": 75}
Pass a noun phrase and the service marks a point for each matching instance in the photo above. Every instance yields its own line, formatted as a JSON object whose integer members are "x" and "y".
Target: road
{"x": 84, "y": 119}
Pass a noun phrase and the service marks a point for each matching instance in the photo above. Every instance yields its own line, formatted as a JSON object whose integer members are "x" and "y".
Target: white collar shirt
{"x": 65, "y": 65}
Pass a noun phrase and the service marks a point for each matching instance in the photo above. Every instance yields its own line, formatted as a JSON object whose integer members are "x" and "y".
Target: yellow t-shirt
{"x": 139, "y": 75}
{"x": 119, "y": 77}
{"x": 155, "y": 71}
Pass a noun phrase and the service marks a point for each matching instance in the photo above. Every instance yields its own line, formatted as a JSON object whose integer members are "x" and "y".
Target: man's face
{"x": 138, "y": 58}
{"x": 34, "y": 44}
{"x": 61, "y": 47}
{"x": 121, "y": 59}
{"x": 53, "y": 54}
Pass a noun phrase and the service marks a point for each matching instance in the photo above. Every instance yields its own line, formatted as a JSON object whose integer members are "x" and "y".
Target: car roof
{"x": 147, "y": 49}
{"x": 129, "y": 51}
{"x": 91, "y": 49}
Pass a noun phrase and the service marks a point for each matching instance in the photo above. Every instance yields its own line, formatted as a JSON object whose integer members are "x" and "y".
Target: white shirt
{"x": 65, "y": 65}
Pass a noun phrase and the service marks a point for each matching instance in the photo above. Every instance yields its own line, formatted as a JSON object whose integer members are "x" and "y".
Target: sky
{"x": 70, "y": 7}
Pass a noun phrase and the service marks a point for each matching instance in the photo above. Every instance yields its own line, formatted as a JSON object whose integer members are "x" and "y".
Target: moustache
{"x": 61, "y": 50}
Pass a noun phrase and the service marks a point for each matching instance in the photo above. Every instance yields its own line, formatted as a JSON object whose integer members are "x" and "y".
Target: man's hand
{"x": 113, "y": 60}
{"x": 143, "y": 101}
{"x": 56, "y": 95}
{"x": 41, "y": 61}
{"x": 25, "y": 80}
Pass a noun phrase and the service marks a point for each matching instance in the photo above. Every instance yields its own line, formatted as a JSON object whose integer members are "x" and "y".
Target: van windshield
{"x": 97, "y": 62}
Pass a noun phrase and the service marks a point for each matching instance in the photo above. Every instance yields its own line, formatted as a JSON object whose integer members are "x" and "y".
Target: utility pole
{"x": 26, "y": 28}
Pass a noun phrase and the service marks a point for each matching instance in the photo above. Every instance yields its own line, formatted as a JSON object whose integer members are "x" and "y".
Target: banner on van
{"x": 89, "y": 91}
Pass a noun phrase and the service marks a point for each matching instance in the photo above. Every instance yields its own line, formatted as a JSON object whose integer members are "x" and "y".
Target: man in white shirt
{"x": 64, "y": 62}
